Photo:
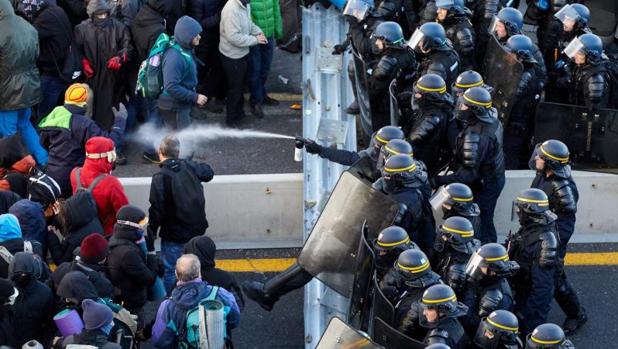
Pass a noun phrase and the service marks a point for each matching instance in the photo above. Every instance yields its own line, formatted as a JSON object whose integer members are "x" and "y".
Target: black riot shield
{"x": 381, "y": 307}
{"x": 393, "y": 92}
{"x": 362, "y": 93}
{"x": 339, "y": 335}
{"x": 330, "y": 252}
{"x": 358, "y": 315}
{"x": 592, "y": 136}
{"x": 503, "y": 72}
{"x": 390, "y": 338}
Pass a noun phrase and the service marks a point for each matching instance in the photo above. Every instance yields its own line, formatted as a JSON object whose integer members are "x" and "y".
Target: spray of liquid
{"x": 189, "y": 138}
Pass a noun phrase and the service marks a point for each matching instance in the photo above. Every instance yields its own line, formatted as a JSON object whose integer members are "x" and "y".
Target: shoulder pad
{"x": 563, "y": 196}
{"x": 385, "y": 67}
{"x": 490, "y": 301}
{"x": 548, "y": 255}
{"x": 456, "y": 276}
{"x": 470, "y": 149}
{"x": 437, "y": 335}
{"x": 597, "y": 86}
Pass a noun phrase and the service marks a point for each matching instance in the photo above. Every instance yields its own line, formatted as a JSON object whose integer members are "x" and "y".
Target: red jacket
{"x": 108, "y": 194}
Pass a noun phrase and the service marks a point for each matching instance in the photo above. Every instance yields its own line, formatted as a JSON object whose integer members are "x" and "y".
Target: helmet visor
{"x": 439, "y": 198}
{"x": 567, "y": 15}
{"x": 357, "y": 8}
{"x": 447, "y": 4}
{"x": 473, "y": 267}
{"x": 416, "y": 38}
{"x": 573, "y": 48}
{"x": 485, "y": 336}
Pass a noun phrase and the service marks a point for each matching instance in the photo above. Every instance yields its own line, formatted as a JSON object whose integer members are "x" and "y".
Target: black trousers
{"x": 236, "y": 76}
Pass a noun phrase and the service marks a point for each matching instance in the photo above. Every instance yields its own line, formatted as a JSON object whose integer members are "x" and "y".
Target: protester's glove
{"x": 121, "y": 112}
{"x": 114, "y": 63}
{"x": 87, "y": 68}
{"x": 152, "y": 262}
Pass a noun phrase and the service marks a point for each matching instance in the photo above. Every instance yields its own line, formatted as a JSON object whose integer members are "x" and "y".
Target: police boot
{"x": 268, "y": 293}
{"x": 353, "y": 108}
{"x": 569, "y": 302}
{"x": 571, "y": 325}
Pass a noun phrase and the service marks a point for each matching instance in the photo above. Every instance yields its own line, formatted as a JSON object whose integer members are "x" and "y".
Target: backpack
{"x": 43, "y": 272}
{"x": 189, "y": 336}
{"x": 187, "y": 192}
{"x": 150, "y": 74}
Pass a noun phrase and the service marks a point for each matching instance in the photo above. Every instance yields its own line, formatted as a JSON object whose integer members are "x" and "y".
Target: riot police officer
{"x": 399, "y": 146}
{"x": 437, "y": 53}
{"x": 454, "y": 245}
{"x": 347, "y": 157}
{"x": 535, "y": 248}
{"x": 548, "y": 336}
{"x": 518, "y": 130}
{"x": 550, "y": 159}
{"x": 408, "y": 278}
{"x": 589, "y": 80}
{"x": 483, "y": 12}
{"x": 548, "y": 28}
{"x": 396, "y": 61}
{"x": 498, "y": 331}
{"x": 440, "y": 313}
{"x": 455, "y": 18}
{"x": 466, "y": 80}
{"x": 456, "y": 199}
{"x": 391, "y": 242}
{"x": 487, "y": 286}
{"x": 432, "y": 108}
{"x": 478, "y": 162}
{"x": 510, "y": 22}
{"x": 400, "y": 182}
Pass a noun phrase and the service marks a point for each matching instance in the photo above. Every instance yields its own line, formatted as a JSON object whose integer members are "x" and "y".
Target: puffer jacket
{"x": 31, "y": 220}
{"x": 238, "y": 32}
{"x": 266, "y": 14}
{"x": 20, "y": 82}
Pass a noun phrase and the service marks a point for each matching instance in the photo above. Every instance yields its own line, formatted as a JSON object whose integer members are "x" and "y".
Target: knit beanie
{"x": 93, "y": 249}
{"x": 96, "y": 315}
{"x": 76, "y": 94}
{"x": 131, "y": 214}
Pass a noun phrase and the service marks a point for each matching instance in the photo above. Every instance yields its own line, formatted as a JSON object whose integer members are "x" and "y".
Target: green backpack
{"x": 150, "y": 75}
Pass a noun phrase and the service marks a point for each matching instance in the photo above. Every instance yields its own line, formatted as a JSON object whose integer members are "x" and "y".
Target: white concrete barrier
{"x": 265, "y": 211}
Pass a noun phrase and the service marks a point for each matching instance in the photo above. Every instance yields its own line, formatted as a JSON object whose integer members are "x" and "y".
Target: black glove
{"x": 338, "y": 49}
{"x": 311, "y": 146}
{"x": 152, "y": 262}
{"x": 434, "y": 182}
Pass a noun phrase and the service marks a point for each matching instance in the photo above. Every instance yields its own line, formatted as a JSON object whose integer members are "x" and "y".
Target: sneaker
{"x": 152, "y": 158}
{"x": 571, "y": 325}
{"x": 353, "y": 109}
{"x": 270, "y": 101}
{"x": 255, "y": 291}
{"x": 121, "y": 159}
{"x": 256, "y": 110}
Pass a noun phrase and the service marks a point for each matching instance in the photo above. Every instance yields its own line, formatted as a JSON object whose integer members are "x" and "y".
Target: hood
{"x": 7, "y": 199}
{"x": 6, "y": 9}
{"x": 31, "y": 218}
{"x": 187, "y": 296}
{"x": 185, "y": 31}
{"x": 24, "y": 262}
{"x": 30, "y": 8}
{"x": 12, "y": 148}
{"x": 163, "y": 7}
{"x": 98, "y": 145}
{"x": 9, "y": 227}
{"x": 204, "y": 248}
{"x": 95, "y": 6}
{"x": 76, "y": 285}
{"x": 124, "y": 232}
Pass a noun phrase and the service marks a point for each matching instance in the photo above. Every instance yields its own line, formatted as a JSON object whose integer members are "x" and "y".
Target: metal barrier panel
{"x": 326, "y": 92}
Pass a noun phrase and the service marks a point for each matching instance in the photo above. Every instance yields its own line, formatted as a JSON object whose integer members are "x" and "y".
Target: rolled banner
{"x": 69, "y": 322}
{"x": 215, "y": 324}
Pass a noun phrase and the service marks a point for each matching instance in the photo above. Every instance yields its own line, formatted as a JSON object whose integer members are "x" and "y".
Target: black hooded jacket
{"x": 204, "y": 248}
{"x": 148, "y": 25}
{"x": 130, "y": 270}
{"x": 76, "y": 286}
{"x": 55, "y": 35}
{"x": 34, "y": 306}
{"x": 96, "y": 275}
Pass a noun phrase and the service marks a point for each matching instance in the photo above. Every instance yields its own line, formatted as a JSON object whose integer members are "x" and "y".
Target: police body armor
{"x": 460, "y": 32}
{"x": 450, "y": 263}
{"x": 443, "y": 61}
{"x": 590, "y": 85}
{"x": 428, "y": 134}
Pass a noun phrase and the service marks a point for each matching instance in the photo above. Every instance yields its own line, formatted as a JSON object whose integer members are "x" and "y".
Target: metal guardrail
{"x": 325, "y": 94}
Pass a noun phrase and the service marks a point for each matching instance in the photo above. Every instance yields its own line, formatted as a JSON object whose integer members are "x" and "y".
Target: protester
{"x": 35, "y": 302}
{"x": 7, "y": 199}
{"x": 190, "y": 290}
{"x": 93, "y": 253}
{"x": 12, "y": 242}
{"x": 74, "y": 288}
{"x": 98, "y": 323}
{"x": 15, "y": 164}
{"x": 177, "y": 204}
{"x": 31, "y": 221}
{"x": 8, "y": 294}
{"x": 267, "y": 16}
{"x": 180, "y": 76}
{"x": 204, "y": 248}
{"x": 19, "y": 78}
{"x": 132, "y": 270}
{"x": 109, "y": 193}
{"x": 106, "y": 45}
{"x": 238, "y": 33}
{"x": 66, "y": 129}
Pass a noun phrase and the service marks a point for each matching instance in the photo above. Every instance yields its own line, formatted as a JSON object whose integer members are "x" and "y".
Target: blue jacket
{"x": 185, "y": 297}
{"x": 179, "y": 70}
{"x": 9, "y": 227}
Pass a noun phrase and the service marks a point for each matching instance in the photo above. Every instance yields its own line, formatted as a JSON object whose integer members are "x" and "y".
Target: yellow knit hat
{"x": 76, "y": 94}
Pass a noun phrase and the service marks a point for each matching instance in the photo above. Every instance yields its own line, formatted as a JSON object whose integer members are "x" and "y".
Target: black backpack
{"x": 187, "y": 192}
{"x": 83, "y": 196}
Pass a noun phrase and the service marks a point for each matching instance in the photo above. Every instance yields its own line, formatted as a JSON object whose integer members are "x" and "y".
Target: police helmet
{"x": 456, "y": 199}
{"x": 391, "y": 238}
{"x": 479, "y": 103}
{"x": 456, "y": 232}
{"x": 399, "y": 164}
{"x": 577, "y": 14}
{"x": 412, "y": 264}
{"x": 522, "y": 47}
{"x": 466, "y": 80}
{"x": 548, "y": 336}
{"x": 584, "y": 13}
{"x": 388, "y": 133}
{"x": 556, "y": 156}
{"x": 390, "y": 32}
{"x": 443, "y": 299}
{"x": 429, "y": 35}
{"x": 398, "y": 146}
{"x": 532, "y": 205}
{"x": 512, "y": 19}
{"x": 494, "y": 259}
{"x": 450, "y": 5}
{"x": 431, "y": 89}
{"x": 497, "y": 329}
{"x": 588, "y": 44}
{"x": 437, "y": 346}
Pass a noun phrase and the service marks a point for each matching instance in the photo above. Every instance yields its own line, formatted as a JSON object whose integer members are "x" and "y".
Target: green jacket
{"x": 20, "y": 83}
{"x": 267, "y": 15}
